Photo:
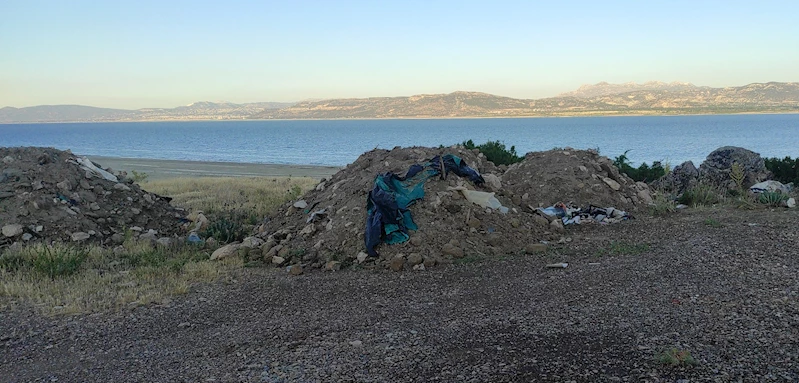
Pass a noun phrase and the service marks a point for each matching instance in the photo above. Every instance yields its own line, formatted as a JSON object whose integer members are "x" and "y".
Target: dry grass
{"x": 106, "y": 280}
{"x": 219, "y": 194}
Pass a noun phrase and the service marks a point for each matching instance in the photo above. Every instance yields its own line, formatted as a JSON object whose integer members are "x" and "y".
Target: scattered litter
{"x": 571, "y": 215}
{"x": 558, "y": 265}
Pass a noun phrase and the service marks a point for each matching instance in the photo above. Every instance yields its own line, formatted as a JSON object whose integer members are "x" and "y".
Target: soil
{"x": 719, "y": 283}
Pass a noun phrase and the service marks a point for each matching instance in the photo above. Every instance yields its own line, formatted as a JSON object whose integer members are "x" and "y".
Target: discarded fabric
{"x": 388, "y": 215}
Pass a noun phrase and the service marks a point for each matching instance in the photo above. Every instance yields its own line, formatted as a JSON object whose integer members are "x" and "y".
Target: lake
{"x": 671, "y": 139}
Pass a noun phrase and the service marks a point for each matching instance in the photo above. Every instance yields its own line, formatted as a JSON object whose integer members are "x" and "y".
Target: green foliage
{"x": 643, "y": 173}
{"x": 224, "y": 230}
{"x": 624, "y": 248}
{"x": 496, "y": 152}
{"x": 701, "y": 195}
{"x": 662, "y": 204}
{"x": 785, "y": 170}
{"x": 712, "y": 222}
{"x": 675, "y": 358}
{"x": 52, "y": 261}
{"x": 737, "y": 175}
{"x": 138, "y": 176}
{"x": 772, "y": 199}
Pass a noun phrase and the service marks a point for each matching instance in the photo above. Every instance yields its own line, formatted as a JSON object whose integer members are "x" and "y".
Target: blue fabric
{"x": 387, "y": 205}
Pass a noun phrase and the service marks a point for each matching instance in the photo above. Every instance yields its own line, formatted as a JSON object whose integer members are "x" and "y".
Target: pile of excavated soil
{"x": 581, "y": 177}
{"x": 449, "y": 226}
{"x": 47, "y": 195}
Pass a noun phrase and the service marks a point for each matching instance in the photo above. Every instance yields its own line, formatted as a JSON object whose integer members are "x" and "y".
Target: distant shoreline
{"x": 156, "y": 169}
{"x": 409, "y": 118}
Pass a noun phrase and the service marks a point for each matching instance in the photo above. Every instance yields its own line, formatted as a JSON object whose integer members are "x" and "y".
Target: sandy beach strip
{"x": 163, "y": 169}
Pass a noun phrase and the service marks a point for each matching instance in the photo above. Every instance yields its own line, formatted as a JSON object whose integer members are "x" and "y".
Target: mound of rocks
{"x": 582, "y": 177}
{"x": 716, "y": 170}
{"x": 325, "y": 228}
{"x": 52, "y": 195}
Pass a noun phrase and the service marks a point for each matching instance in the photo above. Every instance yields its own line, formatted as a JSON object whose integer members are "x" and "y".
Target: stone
{"x": 474, "y": 222}
{"x": 12, "y": 230}
{"x": 164, "y": 241}
{"x": 556, "y": 225}
{"x": 397, "y": 263}
{"x": 419, "y": 267}
{"x": 135, "y": 211}
{"x": 682, "y": 177}
{"x": 612, "y": 183}
{"x": 80, "y": 236}
{"x": 770, "y": 186}
{"x": 493, "y": 181}
{"x": 515, "y": 222}
{"x": 415, "y": 259}
{"x": 284, "y": 252}
{"x": 277, "y": 260}
{"x": 117, "y": 238}
{"x": 27, "y": 236}
{"x": 225, "y": 251}
{"x": 121, "y": 186}
{"x": 301, "y": 204}
{"x": 273, "y": 251}
{"x": 429, "y": 262}
{"x": 645, "y": 196}
{"x": 540, "y": 221}
{"x": 361, "y": 257}
{"x": 308, "y": 230}
{"x": 356, "y": 343}
{"x": 251, "y": 242}
{"x": 534, "y": 248}
{"x": 295, "y": 269}
{"x": 333, "y": 266}
{"x": 716, "y": 167}
{"x": 452, "y": 250}
{"x": 583, "y": 169}
{"x": 416, "y": 241}
{"x": 790, "y": 203}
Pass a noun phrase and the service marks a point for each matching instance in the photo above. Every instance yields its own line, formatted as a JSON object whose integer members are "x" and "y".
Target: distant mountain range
{"x": 650, "y": 98}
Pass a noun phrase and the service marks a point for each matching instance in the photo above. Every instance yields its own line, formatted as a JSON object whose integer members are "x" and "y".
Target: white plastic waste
{"x": 88, "y": 165}
{"x": 483, "y": 199}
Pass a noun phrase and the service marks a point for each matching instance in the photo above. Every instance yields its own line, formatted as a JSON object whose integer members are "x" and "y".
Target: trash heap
{"x": 455, "y": 218}
{"x": 51, "y": 195}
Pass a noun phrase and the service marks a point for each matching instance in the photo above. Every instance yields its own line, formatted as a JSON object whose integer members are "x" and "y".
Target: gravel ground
{"x": 728, "y": 295}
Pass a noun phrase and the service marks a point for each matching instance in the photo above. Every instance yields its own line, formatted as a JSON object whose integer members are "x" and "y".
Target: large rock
{"x": 682, "y": 177}
{"x": 717, "y": 166}
{"x": 12, "y": 230}
{"x": 225, "y": 251}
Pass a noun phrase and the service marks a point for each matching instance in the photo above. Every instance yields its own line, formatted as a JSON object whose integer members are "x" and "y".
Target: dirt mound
{"x": 449, "y": 226}
{"x": 52, "y": 195}
{"x": 581, "y": 177}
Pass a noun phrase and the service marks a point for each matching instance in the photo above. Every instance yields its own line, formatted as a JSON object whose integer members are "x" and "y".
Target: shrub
{"x": 772, "y": 199}
{"x": 52, "y": 261}
{"x": 701, "y": 195}
{"x": 662, "y": 205}
{"x": 785, "y": 170}
{"x": 225, "y": 230}
{"x": 496, "y": 152}
{"x": 675, "y": 357}
{"x": 644, "y": 173}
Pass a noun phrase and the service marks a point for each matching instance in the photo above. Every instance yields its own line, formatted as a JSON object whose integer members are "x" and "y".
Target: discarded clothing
{"x": 388, "y": 215}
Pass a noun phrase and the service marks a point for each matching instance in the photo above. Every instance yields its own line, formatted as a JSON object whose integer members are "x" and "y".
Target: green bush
{"x": 224, "y": 230}
{"x": 496, "y": 152}
{"x": 785, "y": 170}
{"x": 701, "y": 195}
{"x": 772, "y": 199}
{"x": 643, "y": 173}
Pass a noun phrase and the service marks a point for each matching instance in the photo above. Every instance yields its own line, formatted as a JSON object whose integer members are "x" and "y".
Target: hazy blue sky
{"x": 133, "y": 54}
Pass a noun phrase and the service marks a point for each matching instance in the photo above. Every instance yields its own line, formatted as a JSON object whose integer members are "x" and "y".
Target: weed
{"x": 701, "y": 195}
{"x": 676, "y": 358}
{"x": 737, "y": 175}
{"x": 224, "y": 230}
{"x": 469, "y": 259}
{"x": 52, "y": 261}
{"x": 623, "y": 248}
{"x": 138, "y": 177}
{"x": 662, "y": 205}
{"x": 712, "y": 222}
{"x": 495, "y": 152}
{"x": 772, "y": 199}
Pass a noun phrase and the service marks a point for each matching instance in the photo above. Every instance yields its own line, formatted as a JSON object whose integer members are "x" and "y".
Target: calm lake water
{"x": 338, "y": 142}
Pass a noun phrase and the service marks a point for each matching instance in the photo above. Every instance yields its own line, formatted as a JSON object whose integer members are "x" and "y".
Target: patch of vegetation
{"x": 737, "y": 175}
{"x": 225, "y": 230}
{"x": 138, "y": 177}
{"x": 662, "y": 204}
{"x": 469, "y": 259}
{"x": 496, "y": 152}
{"x": 701, "y": 195}
{"x": 712, "y": 222}
{"x": 54, "y": 261}
{"x": 643, "y": 173}
{"x": 623, "y": 248}
{"x": 785, "y": 170}
{"x": 771, "y": 198}
{"x": 676, "y": 358}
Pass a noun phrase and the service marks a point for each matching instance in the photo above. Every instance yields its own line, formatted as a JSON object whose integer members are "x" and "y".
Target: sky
{"x": 136, "y": 54}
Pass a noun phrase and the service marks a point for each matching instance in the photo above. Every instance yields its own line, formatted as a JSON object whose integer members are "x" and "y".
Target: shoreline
{"x": 159, "y": 169}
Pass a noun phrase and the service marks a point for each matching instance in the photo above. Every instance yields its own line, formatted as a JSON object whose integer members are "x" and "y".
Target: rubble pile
{"x": 325, "y": 227}
{"x": 52, "y": 195}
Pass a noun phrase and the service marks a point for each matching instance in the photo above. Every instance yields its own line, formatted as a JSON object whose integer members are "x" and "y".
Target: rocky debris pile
{"x": 52, "y": 195}
{"x": 716, "y": 170}
{"x": 582, "y": 177}
{"x": 325, "y": 228}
